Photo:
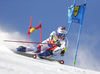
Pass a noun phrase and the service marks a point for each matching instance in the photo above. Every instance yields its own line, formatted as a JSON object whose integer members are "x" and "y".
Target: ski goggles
{"x": 62, "y": 35}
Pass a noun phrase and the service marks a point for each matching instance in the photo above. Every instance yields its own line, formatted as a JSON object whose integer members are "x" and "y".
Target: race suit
{"x": 49, "y": 44}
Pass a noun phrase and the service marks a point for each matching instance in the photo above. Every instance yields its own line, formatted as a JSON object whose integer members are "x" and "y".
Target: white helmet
{"x": 61, "y": 31}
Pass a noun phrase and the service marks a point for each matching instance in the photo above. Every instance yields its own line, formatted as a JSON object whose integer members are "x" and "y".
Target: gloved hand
{"x": 53, "y": 41}
{"x": 57, "y": 43}
{"x": 62, "y": 52}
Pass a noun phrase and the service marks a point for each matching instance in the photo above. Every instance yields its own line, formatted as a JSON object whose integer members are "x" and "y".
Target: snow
{"x": 11, "y": 63}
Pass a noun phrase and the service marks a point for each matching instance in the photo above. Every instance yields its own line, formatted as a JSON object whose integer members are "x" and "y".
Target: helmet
{"x": 61, "y": 31}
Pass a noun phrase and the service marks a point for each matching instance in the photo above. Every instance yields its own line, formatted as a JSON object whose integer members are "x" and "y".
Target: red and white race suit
{"x": 55, "y": 49}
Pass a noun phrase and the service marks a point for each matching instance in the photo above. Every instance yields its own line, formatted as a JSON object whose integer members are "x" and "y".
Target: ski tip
{"x": 61, "y": 62}
{"x": 34, "y": 56}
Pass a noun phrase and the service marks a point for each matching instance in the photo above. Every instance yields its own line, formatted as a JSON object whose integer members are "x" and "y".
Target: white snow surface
{"x": 11, "y": 63}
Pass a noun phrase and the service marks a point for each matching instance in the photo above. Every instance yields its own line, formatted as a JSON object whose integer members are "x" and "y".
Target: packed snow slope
{"x": 11, "y": 63}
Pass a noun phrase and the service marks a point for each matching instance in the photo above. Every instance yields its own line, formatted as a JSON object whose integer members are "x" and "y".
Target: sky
{"x": 15, "y": 17}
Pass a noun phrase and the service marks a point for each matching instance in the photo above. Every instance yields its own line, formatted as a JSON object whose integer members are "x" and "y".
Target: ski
{"x": 22, "y": 53}
{"x": 46, "y": 58}
{"x": 36, "y": 55}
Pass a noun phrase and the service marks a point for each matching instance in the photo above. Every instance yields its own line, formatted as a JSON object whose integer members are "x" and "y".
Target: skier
{"x": 56, "y": 44}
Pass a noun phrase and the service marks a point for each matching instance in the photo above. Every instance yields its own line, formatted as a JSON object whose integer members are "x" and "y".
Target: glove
{"x": 62, "y": 52}
{"x": 53, "y": 41}
{"x": 57, "y": 43}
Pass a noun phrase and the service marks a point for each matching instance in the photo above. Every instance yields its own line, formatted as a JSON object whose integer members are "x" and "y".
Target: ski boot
{"x": 47, "y": 53}
{"x": 21, "y": 49}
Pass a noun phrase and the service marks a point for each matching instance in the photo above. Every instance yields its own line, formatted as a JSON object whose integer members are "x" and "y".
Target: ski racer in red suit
{"x": 57, "y": 43}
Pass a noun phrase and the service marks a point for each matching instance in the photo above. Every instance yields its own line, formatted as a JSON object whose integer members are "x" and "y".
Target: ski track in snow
{"x": 11, "y": 63}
